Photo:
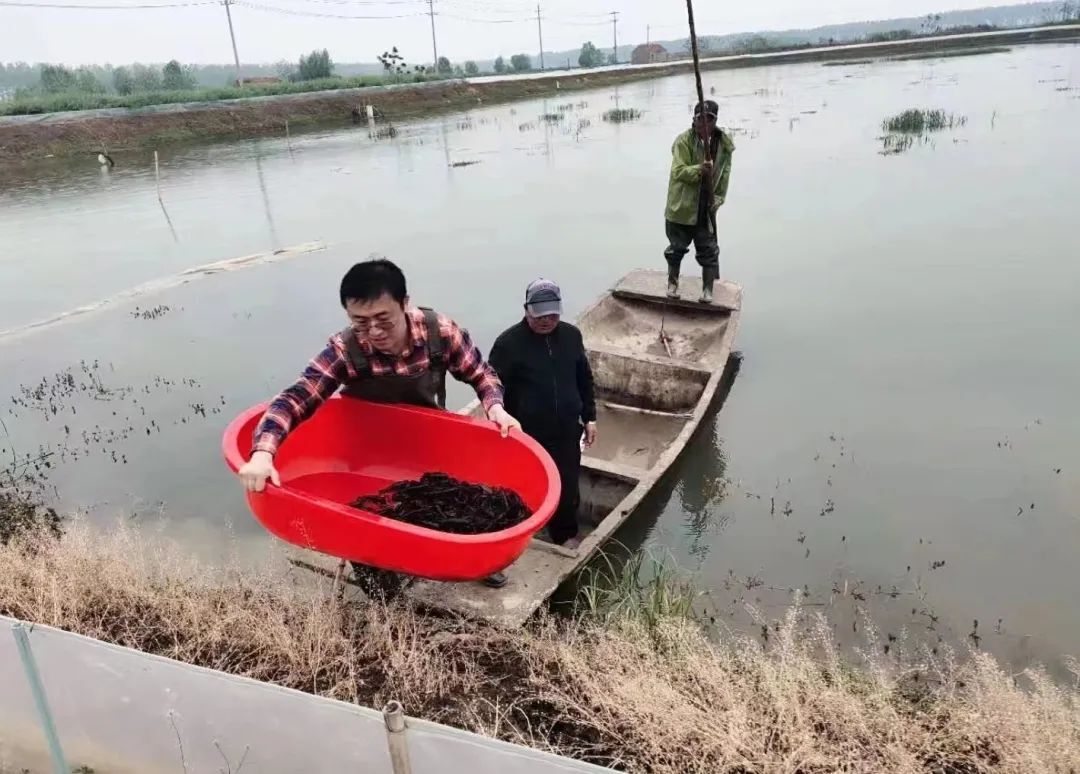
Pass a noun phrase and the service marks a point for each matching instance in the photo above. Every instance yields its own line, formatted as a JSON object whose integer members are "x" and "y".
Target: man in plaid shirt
{"x": 390, "y": 353}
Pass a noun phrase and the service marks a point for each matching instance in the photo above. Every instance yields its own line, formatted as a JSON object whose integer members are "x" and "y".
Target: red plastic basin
{"x": 351, "y": 447}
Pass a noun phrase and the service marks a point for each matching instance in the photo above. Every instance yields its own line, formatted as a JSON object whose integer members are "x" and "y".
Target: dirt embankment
{"x": 36, "y": 137}
{"x": 28, "y": 138}
{"x": 639, "y": 688}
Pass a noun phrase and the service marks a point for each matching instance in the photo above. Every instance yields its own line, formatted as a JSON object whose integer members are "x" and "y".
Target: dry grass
{"x": 649, "y": 694}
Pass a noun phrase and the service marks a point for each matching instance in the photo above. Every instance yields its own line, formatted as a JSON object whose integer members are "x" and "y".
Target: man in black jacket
{"x": 548, "y": 387}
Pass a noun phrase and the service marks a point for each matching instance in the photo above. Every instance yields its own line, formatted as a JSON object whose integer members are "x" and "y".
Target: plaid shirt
{"x": 333, "y": 367}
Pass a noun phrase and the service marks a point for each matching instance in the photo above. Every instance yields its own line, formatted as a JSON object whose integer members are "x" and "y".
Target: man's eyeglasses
{"x": 381, "y": 323}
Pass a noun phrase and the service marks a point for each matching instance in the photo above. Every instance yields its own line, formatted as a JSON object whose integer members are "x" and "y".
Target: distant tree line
{"x": 1069, "y": 12}
{"x": 27, "y": 80}
{"x": 591, "y": 56}
{"x": 58, "y": 79}
{"x": 311, "y": 67}
{"x": 519, "y": 63}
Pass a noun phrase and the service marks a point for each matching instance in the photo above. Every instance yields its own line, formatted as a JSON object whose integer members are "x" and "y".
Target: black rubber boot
{"x": 672, "y": 281}
{"x": 708, "y": 277}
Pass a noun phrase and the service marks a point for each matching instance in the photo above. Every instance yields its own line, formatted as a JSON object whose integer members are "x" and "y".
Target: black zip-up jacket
{"x": 547, "y": 379}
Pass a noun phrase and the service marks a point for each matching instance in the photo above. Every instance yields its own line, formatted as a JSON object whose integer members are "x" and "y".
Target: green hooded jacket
{"x": 684, "y": 186}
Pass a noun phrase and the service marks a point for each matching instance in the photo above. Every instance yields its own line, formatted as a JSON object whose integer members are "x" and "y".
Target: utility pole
{"x": 648, "y": 34}
{"x": 434, "y": 48}
{"x": 540, "y": 32}
{"x": 615, "y": 37}
{"x": 236, "y": 56}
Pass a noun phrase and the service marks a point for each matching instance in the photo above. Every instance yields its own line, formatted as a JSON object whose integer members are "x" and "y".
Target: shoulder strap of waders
{"x": 352, "y": 347}
{"x": 435, "y": 352}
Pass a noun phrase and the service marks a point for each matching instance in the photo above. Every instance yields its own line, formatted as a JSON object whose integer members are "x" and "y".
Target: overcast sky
{"x": 199, "y": 32}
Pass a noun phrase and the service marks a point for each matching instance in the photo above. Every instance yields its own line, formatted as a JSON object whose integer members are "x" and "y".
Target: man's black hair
{"x": 369, "y": 280}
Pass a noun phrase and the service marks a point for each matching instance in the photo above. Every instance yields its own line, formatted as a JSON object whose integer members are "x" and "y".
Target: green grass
{"x": 895, "y": 144}
{"x": 52, "y": 103}
{"x": 621, "y": 115}
{"x": 922, "y": 121}
{"x": 905, "y": 130}
{"x": 645, "y": 589}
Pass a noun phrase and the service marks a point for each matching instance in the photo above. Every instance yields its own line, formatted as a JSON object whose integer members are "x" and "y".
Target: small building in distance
{"x": 648, "y": 53}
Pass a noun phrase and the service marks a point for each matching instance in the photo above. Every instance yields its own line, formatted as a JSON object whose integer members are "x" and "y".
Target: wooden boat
{"x": 651, "y": 397}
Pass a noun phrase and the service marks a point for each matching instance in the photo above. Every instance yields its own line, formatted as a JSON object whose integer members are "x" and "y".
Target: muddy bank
{"x": 29, "y": 138}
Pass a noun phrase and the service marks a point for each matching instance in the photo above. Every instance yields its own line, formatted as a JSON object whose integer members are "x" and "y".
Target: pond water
{"x": 903, "y": 434}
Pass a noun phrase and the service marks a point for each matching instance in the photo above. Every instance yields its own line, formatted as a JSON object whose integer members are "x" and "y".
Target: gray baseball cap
{"x": 712, "y": 110}
{"x": 542, "y": 298}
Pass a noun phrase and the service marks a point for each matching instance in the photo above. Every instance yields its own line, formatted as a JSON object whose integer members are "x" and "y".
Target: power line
{"x": 514, "y": 9}
{"x": 73, "y": 6}
{"x": 484, "y": 21}
{"x": 563, "y": 22}
{"x": 481, "y": 5}
{"x": 587, "y": 15}
{"x": 295, "y": 12}
{"x": 362, "y": 2}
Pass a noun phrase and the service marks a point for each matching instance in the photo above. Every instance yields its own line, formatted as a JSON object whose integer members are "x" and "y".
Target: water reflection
{"x": 274, "y": 239}
{"x": 702, "y": 489}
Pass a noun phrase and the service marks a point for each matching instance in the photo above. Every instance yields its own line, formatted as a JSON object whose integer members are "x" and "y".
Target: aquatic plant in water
{"x": 911, "y": 126}
{"x": 383, "y": 133}
{"x": 620, "y": 115}
{"x": 920, "y": 121}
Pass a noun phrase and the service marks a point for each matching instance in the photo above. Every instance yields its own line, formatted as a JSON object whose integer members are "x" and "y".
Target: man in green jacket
{"x": 688, "y": 216}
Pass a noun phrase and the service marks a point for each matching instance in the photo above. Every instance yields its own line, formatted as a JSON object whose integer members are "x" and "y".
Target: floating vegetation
{"x": 528, "y": 126}
{"x": 950, "y": 54}
{"x": 920, "y": 121}
{"x": 551, "y": 118}
{"x": 621, "y": 115}
{"x": 457, "y": 164}
{"x": 565, "y": 108}
{"x": 92, "y": 417}
{"x": 151, "y": 314}
{"x": 383, "y": 133}
{"x": 846, "y": 62}
{"x": 912, "y": 126}
{"x": 893, "y": 144}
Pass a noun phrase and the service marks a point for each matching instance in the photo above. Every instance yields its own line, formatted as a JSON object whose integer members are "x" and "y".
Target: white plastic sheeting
{"x": 121, "y": 711}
